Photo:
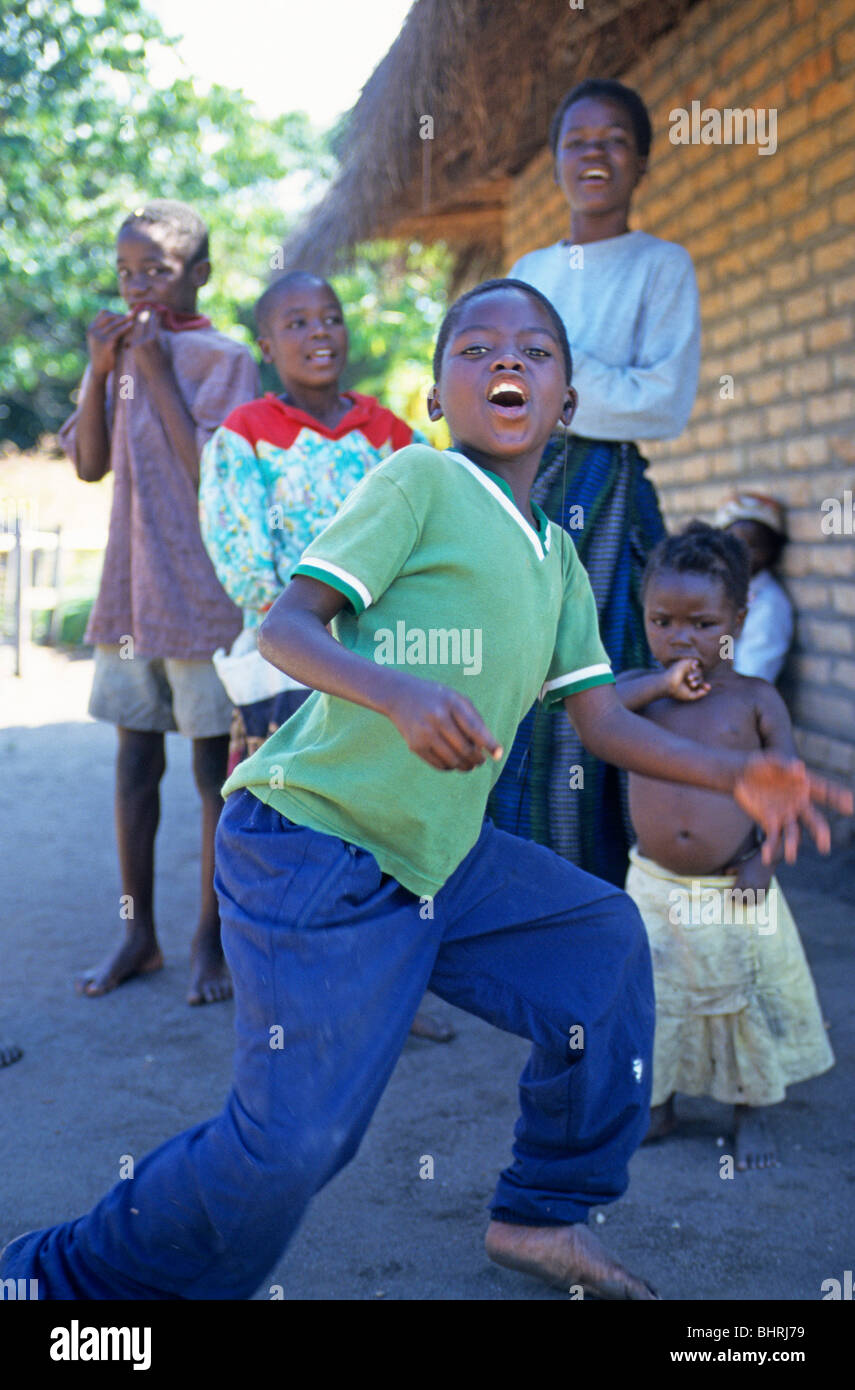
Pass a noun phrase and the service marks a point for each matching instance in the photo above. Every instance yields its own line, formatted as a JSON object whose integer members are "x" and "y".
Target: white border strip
{"x": 505, "y": 502}
{"x": 340, "y": 574}
{"x": 584, "y": 673}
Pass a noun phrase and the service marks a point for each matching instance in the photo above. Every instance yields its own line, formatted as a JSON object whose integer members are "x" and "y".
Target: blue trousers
{"x": 330, "y": 958}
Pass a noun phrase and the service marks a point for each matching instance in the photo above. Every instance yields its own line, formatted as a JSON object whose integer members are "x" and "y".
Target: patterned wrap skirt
{"x": 551, "y": 789}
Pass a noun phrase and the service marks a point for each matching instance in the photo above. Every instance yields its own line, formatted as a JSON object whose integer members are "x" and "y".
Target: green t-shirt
{"x": 446, "y": 580}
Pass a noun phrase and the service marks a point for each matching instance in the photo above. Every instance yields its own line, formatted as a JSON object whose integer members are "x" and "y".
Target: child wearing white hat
{"x": 758, "y": 521}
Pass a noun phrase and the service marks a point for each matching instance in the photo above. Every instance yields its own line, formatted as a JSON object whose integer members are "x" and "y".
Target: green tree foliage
{"x": 394, "y": 297}
{"x": 84, "y": 136}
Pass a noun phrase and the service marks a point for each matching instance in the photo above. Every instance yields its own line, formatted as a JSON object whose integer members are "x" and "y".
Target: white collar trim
{"x": 504, "y": 502}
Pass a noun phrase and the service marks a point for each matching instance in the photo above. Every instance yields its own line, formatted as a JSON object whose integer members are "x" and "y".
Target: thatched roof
{"x": 489, "y": 73}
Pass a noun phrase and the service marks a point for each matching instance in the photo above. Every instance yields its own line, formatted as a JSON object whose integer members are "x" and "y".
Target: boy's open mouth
{"x": 508, "y": 396}
{"x": 321, "y": 354}
{"x": 597, "y": 173}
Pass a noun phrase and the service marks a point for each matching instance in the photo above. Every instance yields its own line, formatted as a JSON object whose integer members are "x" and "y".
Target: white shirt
{"x": 761, "y": 648}
{"x": 632, "y": 315}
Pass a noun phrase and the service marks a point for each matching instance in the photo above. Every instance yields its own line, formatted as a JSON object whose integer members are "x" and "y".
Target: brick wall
{"x": 773, "y": 241}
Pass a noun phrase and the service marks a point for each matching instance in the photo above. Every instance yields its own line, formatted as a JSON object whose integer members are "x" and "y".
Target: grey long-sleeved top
{"x": 632, "y": 316}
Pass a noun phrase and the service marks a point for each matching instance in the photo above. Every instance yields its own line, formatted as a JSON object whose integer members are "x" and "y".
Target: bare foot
{"x": 564, "y": 1256}
{"x": 9, "y": 1053}
{"x": 427, "y": 1026}
{"x": 663, "y": 1121}
{"x": 137, "y": 955}
{"x": 755, "y": 1147}
{"x": 210, "y": 981}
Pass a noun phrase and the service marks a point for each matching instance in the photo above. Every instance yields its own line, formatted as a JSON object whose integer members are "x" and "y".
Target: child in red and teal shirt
{"x": 278, "y": 469}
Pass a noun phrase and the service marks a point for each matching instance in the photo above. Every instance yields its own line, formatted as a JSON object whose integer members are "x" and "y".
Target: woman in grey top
{"x": 630, "y": 305}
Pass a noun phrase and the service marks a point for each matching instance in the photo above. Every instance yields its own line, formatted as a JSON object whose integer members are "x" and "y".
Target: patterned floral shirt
{"x": 272, "y": 477}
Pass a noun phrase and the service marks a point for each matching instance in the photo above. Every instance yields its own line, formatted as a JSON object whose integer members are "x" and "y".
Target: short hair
{"x": 266, "y": 302}
{"x": 449, "y": 323}
{"x": 703, "y": 549}
{"x": 610, "y": 90}
{"x": 185, "y": 224}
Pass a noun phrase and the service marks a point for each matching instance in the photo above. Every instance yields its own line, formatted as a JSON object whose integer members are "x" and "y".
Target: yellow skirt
{"x": 737, "y": 1017}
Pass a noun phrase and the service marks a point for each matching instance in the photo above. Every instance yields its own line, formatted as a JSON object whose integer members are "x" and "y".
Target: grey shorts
{"x": 159, "y": 695}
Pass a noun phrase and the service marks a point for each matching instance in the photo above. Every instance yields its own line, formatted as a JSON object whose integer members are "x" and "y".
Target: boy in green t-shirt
{"x": 354, "y": 867}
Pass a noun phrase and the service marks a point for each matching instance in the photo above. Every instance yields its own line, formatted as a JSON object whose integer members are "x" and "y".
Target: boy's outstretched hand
{"x": 442, "y": 726}
{"x": 779, "y": 793}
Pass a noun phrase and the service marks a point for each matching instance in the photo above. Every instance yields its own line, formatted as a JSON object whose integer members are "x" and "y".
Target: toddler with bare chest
{"x": 737, "y": 1016}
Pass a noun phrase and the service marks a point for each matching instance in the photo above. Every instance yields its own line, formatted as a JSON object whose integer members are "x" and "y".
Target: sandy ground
{"x": 105, "y": 1078}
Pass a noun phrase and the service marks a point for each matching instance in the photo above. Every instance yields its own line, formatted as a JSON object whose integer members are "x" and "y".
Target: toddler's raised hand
{"x": 779, "y": 793}
{"x": 103, "y": 337}
{"x": 442, "y": 726}
{"x": 685, "y": 680}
